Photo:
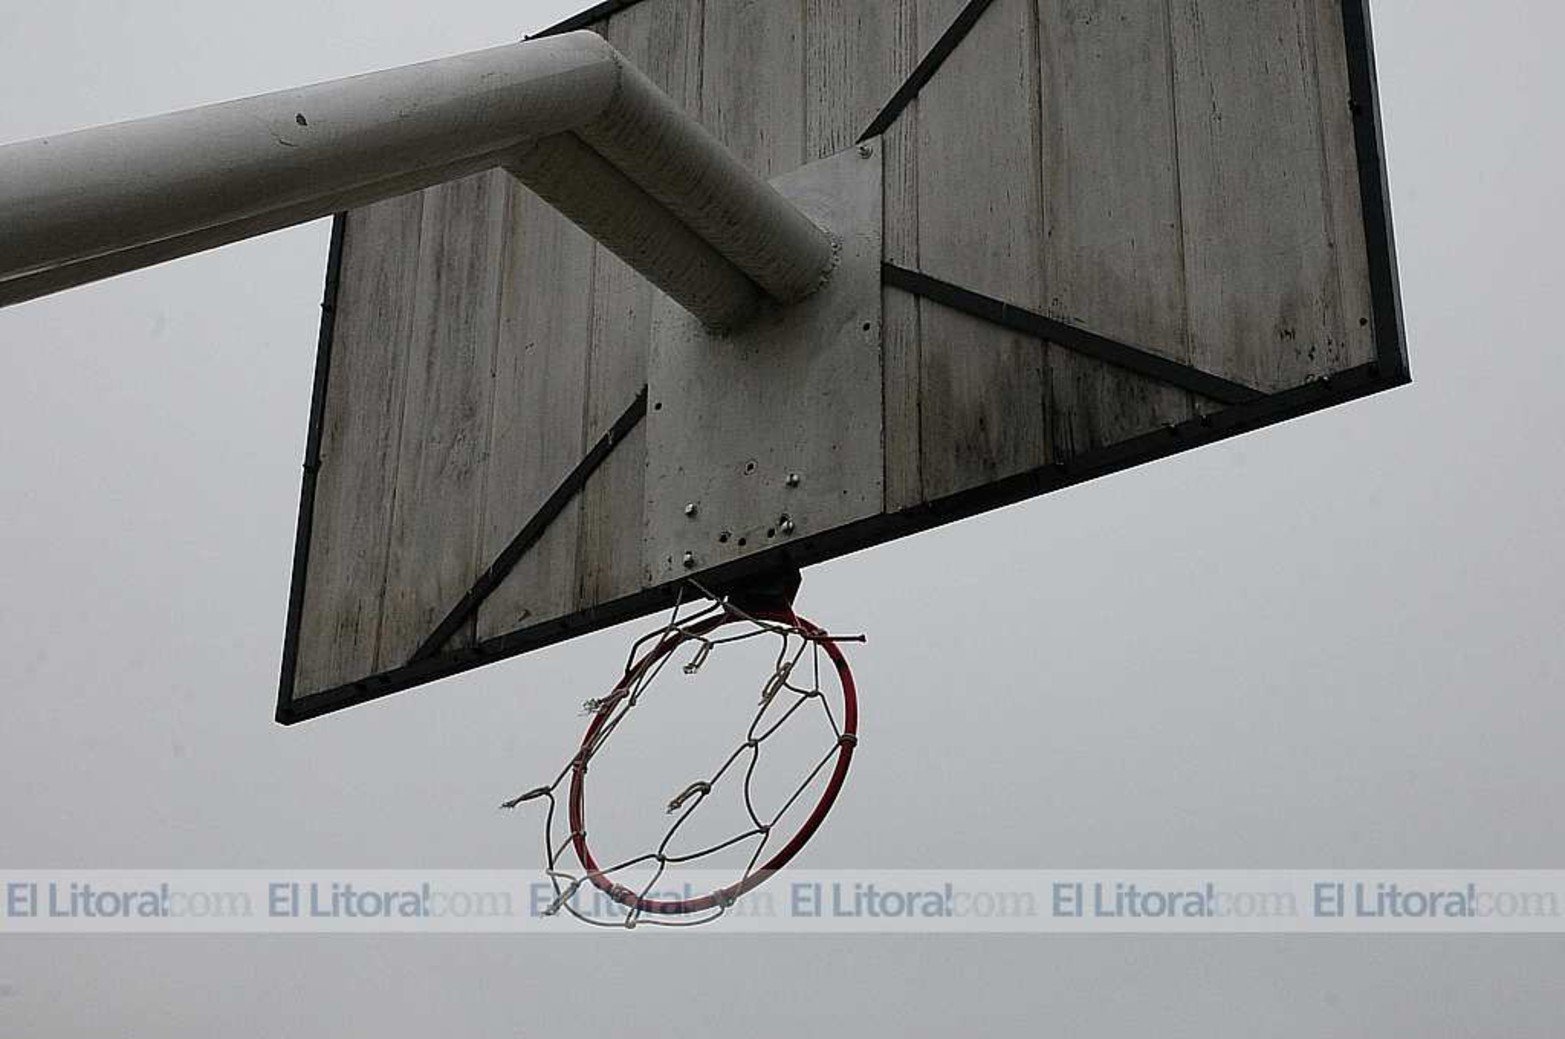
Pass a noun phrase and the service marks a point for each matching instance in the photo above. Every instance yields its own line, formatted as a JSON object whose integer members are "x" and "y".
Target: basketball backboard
{"x": 1076, "y": 237}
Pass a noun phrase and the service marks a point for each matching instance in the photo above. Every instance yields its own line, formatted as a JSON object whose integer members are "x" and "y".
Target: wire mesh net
{"x": 808, "y": 677}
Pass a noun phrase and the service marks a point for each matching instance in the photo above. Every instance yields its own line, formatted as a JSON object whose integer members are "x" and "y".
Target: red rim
{"x": 723, "y": 896}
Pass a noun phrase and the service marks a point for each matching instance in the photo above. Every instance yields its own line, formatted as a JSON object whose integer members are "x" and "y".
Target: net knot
{"x": 700, "y": 657}
{"x": 701, "y": 787}
{"x": 775, "y": 684}
{"x": 566, "y": 894}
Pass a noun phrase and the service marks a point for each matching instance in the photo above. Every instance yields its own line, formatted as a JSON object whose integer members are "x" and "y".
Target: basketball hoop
{"x": 788, "y": 691}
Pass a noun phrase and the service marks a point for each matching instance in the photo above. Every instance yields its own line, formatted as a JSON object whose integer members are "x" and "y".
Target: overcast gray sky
{"x": 1333, "y": 643}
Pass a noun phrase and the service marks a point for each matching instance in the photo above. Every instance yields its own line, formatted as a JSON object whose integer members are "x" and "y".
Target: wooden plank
{"x": 857, "y": 56}
{"x": 1112, "y": 252}
{"x": 663, "y": 39}
{"x": 1264, "y": 297}
{"x": 360, "y": 436}
{"x": 902, "y": 335}
{"x": 1345, "y": 206}
{"x": 440, "y": 476}
{"x": 536, "y": 436}
{"x": 980, "y": 226}
{"x": 752, "y": 94}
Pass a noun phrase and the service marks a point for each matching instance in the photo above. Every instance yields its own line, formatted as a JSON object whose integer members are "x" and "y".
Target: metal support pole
{"x": 568, "y": 115}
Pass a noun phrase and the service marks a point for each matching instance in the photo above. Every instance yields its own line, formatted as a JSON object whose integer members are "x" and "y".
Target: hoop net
{"x": 807, "y": 662}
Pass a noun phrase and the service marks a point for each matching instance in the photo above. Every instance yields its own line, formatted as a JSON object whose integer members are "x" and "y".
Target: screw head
{"x": 692, "y": 509}
{"x": 690, "y": 560}
{"x": 793, "y": 479}
{"x": 787, "y": 526}
{"x": 866, "y": 151}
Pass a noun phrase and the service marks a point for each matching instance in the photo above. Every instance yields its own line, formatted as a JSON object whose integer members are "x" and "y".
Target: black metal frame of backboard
{"x": 1244, "y": 410}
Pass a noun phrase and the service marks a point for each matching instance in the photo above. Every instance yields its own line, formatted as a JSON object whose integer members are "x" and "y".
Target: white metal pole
{"x": 567, "y": 114}
{"x": 606, "y": 204}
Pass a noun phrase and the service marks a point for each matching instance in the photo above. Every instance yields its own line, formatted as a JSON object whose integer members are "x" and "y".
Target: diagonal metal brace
{"x": 1071, "y": 337}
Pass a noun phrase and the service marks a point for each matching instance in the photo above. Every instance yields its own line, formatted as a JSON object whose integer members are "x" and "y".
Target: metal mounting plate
{"x": 773, "y": 432}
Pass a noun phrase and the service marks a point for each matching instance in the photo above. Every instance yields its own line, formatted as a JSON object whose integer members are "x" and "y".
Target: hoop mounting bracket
{"x": 773, "y": 432}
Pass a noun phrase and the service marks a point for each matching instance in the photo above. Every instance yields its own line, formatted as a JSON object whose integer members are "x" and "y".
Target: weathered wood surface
{"x": 1264, "y": 289}
{"x": 1180, "y": 176}
{"x": 539, "y": 392}
{"x": 1112, "y": 257}
{"x": 437, "y": 507}
{"x": 359, "y": 440}
{"x": 752, "y": 81}
{"x": 1345, "y": 207}
{"x": 856, "y": 56}
{"x": 980, "y": 224}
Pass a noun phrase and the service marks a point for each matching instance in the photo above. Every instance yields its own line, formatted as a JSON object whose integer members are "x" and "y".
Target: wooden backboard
{"x": 1095, "y": 234}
